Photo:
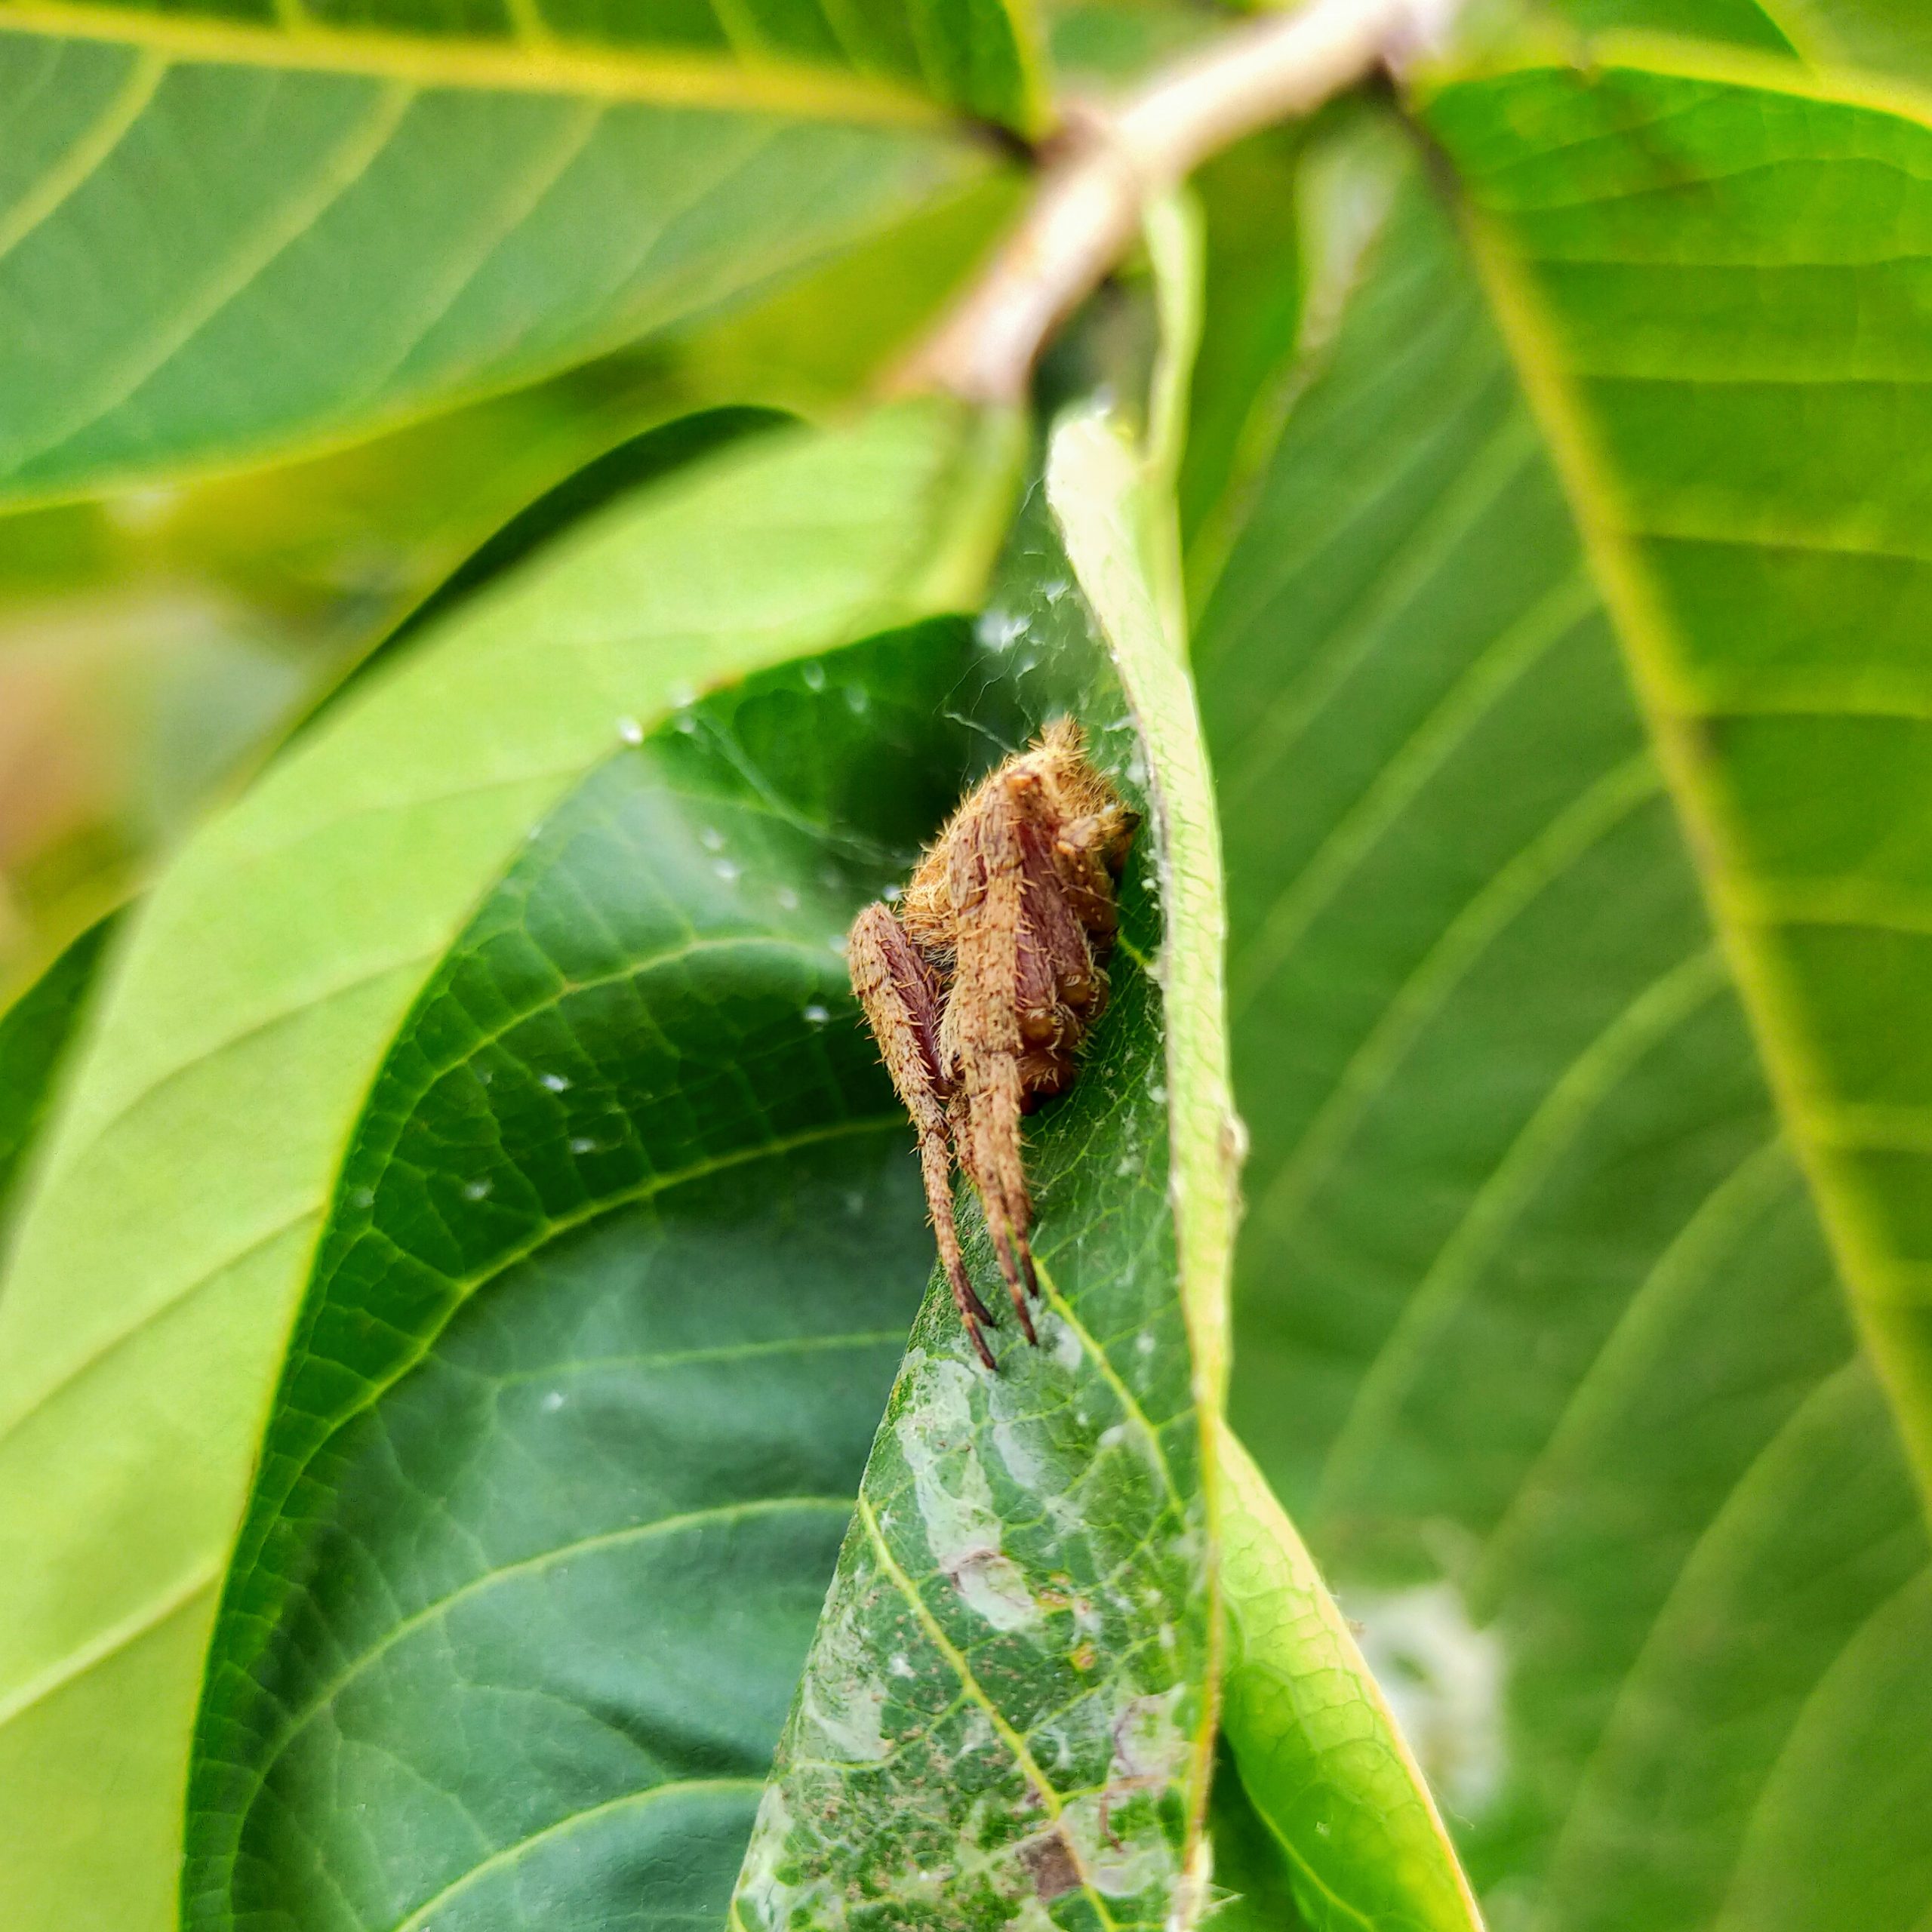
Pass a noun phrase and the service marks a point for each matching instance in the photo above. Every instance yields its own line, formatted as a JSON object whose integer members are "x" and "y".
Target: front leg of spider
{"x": 901, "y": 998}
{"x": 982, "y": 1036}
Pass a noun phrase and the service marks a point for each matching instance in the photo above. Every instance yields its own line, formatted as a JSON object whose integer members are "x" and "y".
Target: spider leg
{"x": 983, "y": 1035}
{"x": 1080, "y": 854}
{"x": 901, "y": 995}
{"x": 1060, "y": 948}
{"x": 989, "y": 1147}
{"x": 936, "y": 1171}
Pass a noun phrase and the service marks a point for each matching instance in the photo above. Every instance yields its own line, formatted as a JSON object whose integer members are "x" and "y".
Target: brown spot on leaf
{"x": 1049, "y": 1864}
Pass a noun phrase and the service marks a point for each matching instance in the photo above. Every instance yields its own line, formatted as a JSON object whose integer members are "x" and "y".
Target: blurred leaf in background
{"x": 1566, "y": 675}
{"x": 154, "y": 643}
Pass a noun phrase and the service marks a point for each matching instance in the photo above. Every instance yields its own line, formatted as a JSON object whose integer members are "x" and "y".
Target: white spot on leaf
{"x": 954, "y": 1499}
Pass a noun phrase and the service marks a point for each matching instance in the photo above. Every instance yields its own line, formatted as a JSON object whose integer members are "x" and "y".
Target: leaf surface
{"x": 1542, "y": 1337}
{"x": 222, "y": 235}
{"x": 1887, "y": 38}
{"x": 622, "y": 1257}
{"x": 1006, "y": 1718}
{"x": 37, "y": 1033}
{"x": 1325, "y": 1772}
{"x": 194, "y": 1165}
{"x": 1768, "y": 609}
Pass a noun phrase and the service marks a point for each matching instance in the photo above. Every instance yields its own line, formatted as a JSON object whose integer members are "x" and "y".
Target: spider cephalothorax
{"x": 982, "y": 988}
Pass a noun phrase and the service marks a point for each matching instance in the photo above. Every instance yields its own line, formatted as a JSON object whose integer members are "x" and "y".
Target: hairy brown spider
{"x": 980, "y": 991}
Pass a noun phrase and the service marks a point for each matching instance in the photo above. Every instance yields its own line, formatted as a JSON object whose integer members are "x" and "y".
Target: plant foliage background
{"x": 473, "y": 1453}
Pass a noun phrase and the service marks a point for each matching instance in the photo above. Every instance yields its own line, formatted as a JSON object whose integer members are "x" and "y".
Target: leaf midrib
{"x": 1647, "y": 637}
{"x": 1644, "y": 634}
{"x": 573, "y": 69}
{"x": 1017, "y": 1748}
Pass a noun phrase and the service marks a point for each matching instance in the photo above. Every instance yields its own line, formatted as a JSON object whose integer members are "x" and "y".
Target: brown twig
{"x": 1111, "y": 161}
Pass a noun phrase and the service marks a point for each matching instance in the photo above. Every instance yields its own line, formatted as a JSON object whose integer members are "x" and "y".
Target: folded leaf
{"x": 1252, "y": 1890}
{"x": 1007, "y": 1717}
{"x": 1324, "y": 1768}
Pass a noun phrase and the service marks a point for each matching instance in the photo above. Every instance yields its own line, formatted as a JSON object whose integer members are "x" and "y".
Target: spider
{"x": 981, "y": 990}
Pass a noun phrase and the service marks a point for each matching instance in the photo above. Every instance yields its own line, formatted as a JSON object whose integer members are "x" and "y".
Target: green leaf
{"x": 1250, "y": 311}
{"x": 1543, "y": 1338}
{"x": 37, "y": 1033}
{"x": 1325, "y": 1771}
{"x": 190, "y": 627}
{"x": 194, "y": 1177}
{"x": 620, "y": 1260}
{"x": 1887, "y": 36}
{"x": 1252, "y": 1891}
{"x": 1768, "y": 609}
{"x": 1007, "y": 1717}
{"x": 1752, "y": 24}
{"x": 639, "y": 461}
{"x": 442, "y": 208}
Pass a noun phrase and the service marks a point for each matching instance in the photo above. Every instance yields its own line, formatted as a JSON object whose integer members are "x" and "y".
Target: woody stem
{"x": 1087, "y": 209}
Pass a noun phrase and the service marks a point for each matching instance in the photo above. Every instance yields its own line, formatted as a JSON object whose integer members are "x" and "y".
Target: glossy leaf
{"x": 1253, "y": 1890}
{"x": 619, "y": 1263}
{"x": 1541, "y": 1338}
{"x": 224, "y": 234}
{"x": 1006, "y": 1717}
{"x": 1325, "y": 1773}
{"x": 195, "y": 1162}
